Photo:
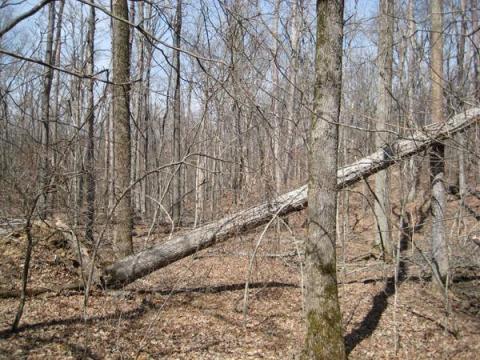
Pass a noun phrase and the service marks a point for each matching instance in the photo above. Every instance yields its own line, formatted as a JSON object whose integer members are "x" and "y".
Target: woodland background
{"x": 216, "y": 120}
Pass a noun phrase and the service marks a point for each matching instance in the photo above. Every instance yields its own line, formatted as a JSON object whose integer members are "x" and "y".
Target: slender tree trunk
{"x": 289, "y": 162}
{"x": 121, "y": 108}
{"x": 200, "y": 177}
{"x": 177, "y": 146}
{"x": 437, "y": 160}
{"x": 25, "y": 274}
{"x": 276, "y": 105}
{"x": 77, "y": 99}
{"x": 47, "y": 87}
{"x": 90, "y": 121}
{"x": 474, "y": 5}
{"x": 147, "y": 191}
{"x": 384, "y": 64}
{"x": 412, "y": 164}
{"x": 235, "y": 43}
{"x": 138, "y": 160}
{"x": 56, "y": 96}
{"x": 462, "y": 184}
{"x": 324, "y": 339}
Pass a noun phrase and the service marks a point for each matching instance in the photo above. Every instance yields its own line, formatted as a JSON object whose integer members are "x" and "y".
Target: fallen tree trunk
{"x": 145, "y": 262}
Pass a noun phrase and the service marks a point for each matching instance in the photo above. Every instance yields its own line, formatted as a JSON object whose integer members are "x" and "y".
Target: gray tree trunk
{"x": 277, "y": 163}
{"x": 462, "y": 183}
{"x": 384, "y": 105}
{"x": 291, "y": 136}
{"x": 56, "y": 56}
{"x": 90, "y": 121}
{"x": 324, "y": 338}
{"x": 413, "y": 165}
{"x": 47, "y": 87}
{"x": 437, "y": 161}
{"x": 177, "y": 182}
{"x": 121, "y": 126}
{"x": 476, "y": 49}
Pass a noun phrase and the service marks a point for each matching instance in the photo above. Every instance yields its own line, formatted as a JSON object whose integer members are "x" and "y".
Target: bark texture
{"x": 384, "y": 105}
{"x": 177, "y": 183}
{"x": 133, "y": 267}
{"x": 437, "y": 154}
{"x": 45, "y": 169}
{"x": 476, "y": 51}
{"x": 90, "y": 120}
{"x": 121, "y": 110}
{"x": 324, "y": 338}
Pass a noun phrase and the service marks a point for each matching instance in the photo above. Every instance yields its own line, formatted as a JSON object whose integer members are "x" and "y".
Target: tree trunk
{"x": 121, "y": 108}
{"x": 324, "y": 339}
{"x": 56, "y": 95}
{"x": 200, "y": 177}
{"x": 291, "y": 136}
{"x": 413, "y": 166}
{"x": 131, "y": 268}
{"x": 462, "y": 183}
{"x": 236, "y": 53}
{"x": 47, "y": 87}
{"x": 476, "y": 49}
{"x": 177, "y": 182}
{"x": 437, "y": 161}
{"x": 90, "y": 121}
{"x": 276, "y": 104}
{"x": 384, "y": 64}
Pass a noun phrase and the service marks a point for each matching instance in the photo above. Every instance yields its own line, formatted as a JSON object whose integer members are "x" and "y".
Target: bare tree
{"x": 121, "y": 108}
{"x": 461, "y": 93}
{"x": 411, "y": 67}
{"x": 476, "y": 48}
{"x": 324, "y": 339}
{"x": 437, "y": 161}
{"x": 177, "y": 146}
{"x": 47, "y": 87}
{"x": 90, "y": 120}
{"x": 293, "y": 70}
{"x": 384, "y": 64}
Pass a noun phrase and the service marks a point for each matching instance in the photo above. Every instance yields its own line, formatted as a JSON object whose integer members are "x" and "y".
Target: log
{"x": 133, "y": 267}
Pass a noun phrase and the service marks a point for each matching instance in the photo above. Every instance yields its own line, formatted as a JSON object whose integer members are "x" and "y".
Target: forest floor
{"x": 194, "y": 309}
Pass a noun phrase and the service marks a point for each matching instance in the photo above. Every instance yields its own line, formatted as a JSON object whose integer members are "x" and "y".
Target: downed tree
{"x": 145, "y": 262}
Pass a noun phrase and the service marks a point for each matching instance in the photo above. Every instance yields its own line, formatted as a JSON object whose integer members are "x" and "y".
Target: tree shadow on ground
{"x": 76, "y": 350}
{"x": 142, "y": 308}
{"x": 380, "y": 301}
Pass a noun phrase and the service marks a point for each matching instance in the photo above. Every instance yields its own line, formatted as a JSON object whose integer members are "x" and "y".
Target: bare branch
{"x": 24, "y": 16}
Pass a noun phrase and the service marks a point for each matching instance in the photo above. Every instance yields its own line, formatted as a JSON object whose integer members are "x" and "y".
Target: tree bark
{"x": 133, "y": 267}
{"x": 277, "y": 170}
{"x": 293, "y": 69}
{"x": 476, "y": 49}
{"x": 47, "y": 87}
{"x": 56, "y": 56}
{"x": 384, "y": 64}
{"x": 413, "y": 166}
{"x": 177, "y": 183}
{"x": 121, "y": 108}
{"x": 324, "y": 338}
{"x": 437, "y": 161}
{"x": 462, "y": 183}
{"x": 90, "y": 163}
